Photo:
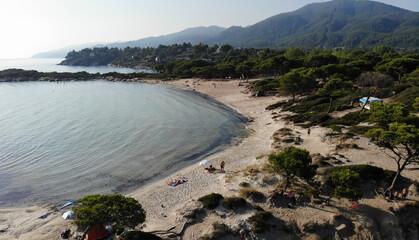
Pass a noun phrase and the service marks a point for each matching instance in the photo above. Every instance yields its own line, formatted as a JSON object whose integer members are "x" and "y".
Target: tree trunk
{"x": 85, "y": 233}
{"x": 287, "y": 183}
{"x": 389, "y": 189}
{"x": 398, "y": 173}
{"x": 330, "y": 105}
{"x": 365, "y": 104}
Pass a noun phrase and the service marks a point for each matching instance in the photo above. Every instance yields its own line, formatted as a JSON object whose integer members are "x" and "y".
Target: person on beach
{"x": 222, "y": 164}
{"x": 308, "y": 131}
{"x": 355, "y": 206}
{"x": 396, "y": 195}
{"x": 404, "y": 193}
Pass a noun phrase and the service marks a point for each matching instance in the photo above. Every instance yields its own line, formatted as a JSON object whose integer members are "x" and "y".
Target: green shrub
{"x": 314, "y": 118}
{"x": 350, "y": 119}
{"x": 359, "y": 129}
{"x": 366, "y": 172}
{"x": 260, "y": 221}
{"x": 234, "y": 203}
{"x": 407, "y": 96}
{"x": 276, "y": 105}
{"x": 211, "y": 201}
{"x": 345, "y": 184}
{"x": 220, "y": 230}
{"x": 401, "y": 87}
{"x": 252, "y": 194}
{"x": 336, "y": 128}
{"x": 244, "y": 184}
{"x": 313, "y": 191}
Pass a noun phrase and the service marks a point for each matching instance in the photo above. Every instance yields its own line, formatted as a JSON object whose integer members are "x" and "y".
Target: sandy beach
{"x": 166, "y": 206}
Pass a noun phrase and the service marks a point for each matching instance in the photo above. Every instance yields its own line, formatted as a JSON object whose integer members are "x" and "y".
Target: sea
{"x": 62, "y": 141}
{"x": 51, "y": 65}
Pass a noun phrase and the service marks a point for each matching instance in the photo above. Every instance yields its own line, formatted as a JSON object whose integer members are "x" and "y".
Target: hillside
{"x": 338, "y": 23}
{"x": 191, "y": 35}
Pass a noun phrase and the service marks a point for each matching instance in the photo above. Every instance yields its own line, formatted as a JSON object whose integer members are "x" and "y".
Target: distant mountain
{"x": 338, "y": 23}
{"x": 193, "y": 35}
{"x": 62, "y": 52}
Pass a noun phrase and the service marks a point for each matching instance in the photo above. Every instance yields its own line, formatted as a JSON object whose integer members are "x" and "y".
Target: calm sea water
{"x": 50, "y": 65}
{"x": 59, "y": 142}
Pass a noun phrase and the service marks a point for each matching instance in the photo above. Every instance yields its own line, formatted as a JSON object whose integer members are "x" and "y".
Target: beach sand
{"x": 166, "y": 205}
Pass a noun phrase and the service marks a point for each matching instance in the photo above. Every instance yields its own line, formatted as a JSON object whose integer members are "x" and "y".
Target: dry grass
{"x": 251, "y": 171}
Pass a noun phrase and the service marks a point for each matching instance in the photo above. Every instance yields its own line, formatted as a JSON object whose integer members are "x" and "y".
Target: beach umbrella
{"x": 204, "y": 162}
{"x": 68, "y": 215}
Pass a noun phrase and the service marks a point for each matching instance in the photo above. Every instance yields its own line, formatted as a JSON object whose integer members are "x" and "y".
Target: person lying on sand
{"x": 176, "y": 182}
{"x": 210, "y": 169}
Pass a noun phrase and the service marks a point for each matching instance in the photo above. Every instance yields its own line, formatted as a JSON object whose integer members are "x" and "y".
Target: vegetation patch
{"x": 313, "y": 118}
{"x": 251, "y": 193}
{"x": 350, "y": 119}
{"x": 251, "y": 171}
{"x": 260, "y": 221}
{"x": 234, "y": 203}
{"x": 366, "y": 172}
{"x": 361, "y": 130}
{"x": 244, "y": 184}
{"x": 220, "y": 230}
{"x": 211, "y": 201}
{"x": 345, "y": 184}
{"x": 407, "y": 96}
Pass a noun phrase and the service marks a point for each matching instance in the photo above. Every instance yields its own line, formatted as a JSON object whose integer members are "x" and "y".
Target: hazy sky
{"x": 32, "y": 26}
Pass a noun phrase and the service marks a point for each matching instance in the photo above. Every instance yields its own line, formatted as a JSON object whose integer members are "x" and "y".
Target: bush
{"x": 314, "y": 118}
{"x": 260, "y": 221}
{"x": 350, "y": 119}
{"x": 359, "y": 129}
{"x": 407, "y": 96}
{"x": 336, "y": 128}
{"x": 220, "y": 230}
{"x": 276, "y": 105}
{"x": 252, "y": 194}
{"x": 244, "y": 184}
{"x": 211, "y": 201}
{"x": 234, "y": 203}
{"x": 345, "y": 183}
{"x": 366, "y": 172}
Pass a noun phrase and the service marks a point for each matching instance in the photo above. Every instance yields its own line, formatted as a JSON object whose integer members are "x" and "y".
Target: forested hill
{"x": 338, "y": 23}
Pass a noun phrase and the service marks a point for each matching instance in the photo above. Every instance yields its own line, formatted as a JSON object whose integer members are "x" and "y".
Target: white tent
{"x": 203, "y": 162}
{"x": 68, "y": 215}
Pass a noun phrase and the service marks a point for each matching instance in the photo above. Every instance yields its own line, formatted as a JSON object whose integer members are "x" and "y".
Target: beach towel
{"x": 45, "y": 216}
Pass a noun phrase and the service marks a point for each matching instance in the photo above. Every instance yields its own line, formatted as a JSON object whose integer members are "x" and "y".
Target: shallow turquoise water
{"x": 59, "y": 142}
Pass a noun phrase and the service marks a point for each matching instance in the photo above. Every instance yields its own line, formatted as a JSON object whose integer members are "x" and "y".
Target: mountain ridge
{"x": 337, "y": 23}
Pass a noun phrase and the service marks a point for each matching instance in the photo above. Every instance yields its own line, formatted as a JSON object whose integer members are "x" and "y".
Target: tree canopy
{"x": 109, "y": 209}
{"x": 401, "y": 139}
{"x": 293, "y": 162}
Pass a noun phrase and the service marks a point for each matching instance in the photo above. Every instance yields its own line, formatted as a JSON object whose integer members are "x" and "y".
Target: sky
{"x": 32, "y": 26}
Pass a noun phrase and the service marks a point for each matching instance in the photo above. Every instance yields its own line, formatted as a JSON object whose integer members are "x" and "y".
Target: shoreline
{"x": 50, "y": 226}
{"x": 167, "y": 206}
